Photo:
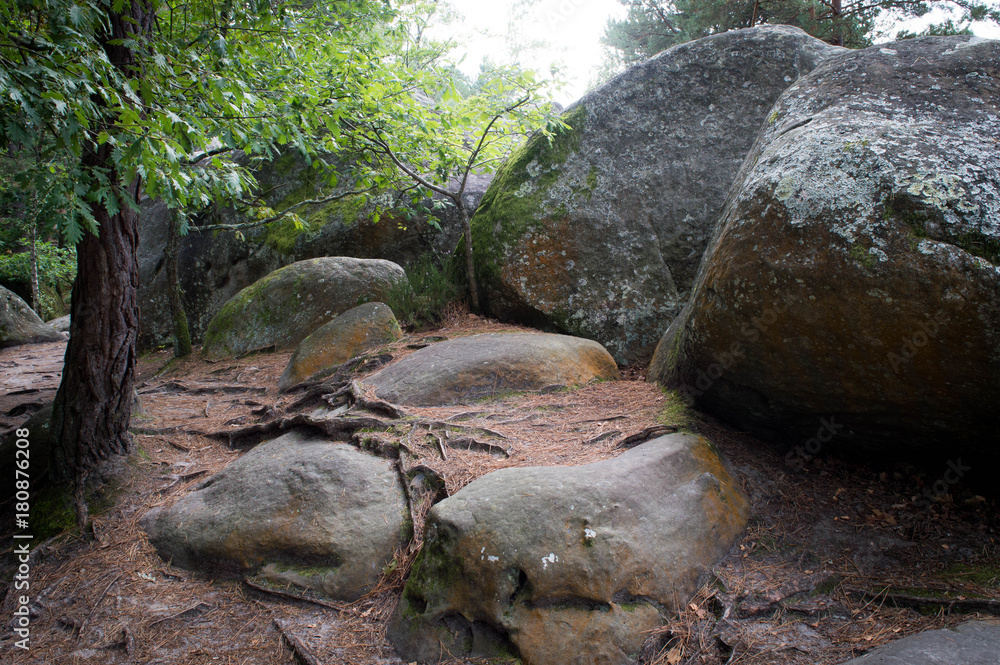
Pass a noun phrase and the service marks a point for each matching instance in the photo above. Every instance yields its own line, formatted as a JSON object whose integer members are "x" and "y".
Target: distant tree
{"x": 654, "y": 25}
{"x": 437, "y": 140}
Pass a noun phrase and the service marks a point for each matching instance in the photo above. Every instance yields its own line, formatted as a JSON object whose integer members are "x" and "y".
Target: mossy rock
{"x": 569, "y": 564}
{"x": 20, "y": 325}
{"x": 299, "y": 510}
{"x": 283, "y": 308}
{"x": 598, "y": 230}
{"x": 348, "y": 335}
{"x": 854, "y": 278}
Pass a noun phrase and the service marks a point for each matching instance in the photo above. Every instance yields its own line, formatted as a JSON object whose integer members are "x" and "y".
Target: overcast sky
{"x": 571, "y": 30}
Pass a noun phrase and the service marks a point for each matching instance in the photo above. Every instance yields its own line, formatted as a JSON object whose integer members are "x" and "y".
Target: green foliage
{"x": 56, "y": 270}
{"x": 425, "y": 295}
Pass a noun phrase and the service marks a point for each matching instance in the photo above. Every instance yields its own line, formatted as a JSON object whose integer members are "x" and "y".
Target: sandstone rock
{"x": 299, "y": 509}
{"x": 855, "y": 274}
{"x": 20, "y": 325}
{"x": 334, "y": 343}
{"x": 60, "y": 324}
{"x": 971, "y": 643}
{"x": 561, "y": 565}
{"x": 290, "y": 303}
{"x": 214, "y": 266}
{"x": 486, "y": 365}
{"x": 599, "y": 233}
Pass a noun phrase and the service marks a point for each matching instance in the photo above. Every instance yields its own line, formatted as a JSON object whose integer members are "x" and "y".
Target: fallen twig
{"x": 987, "y": 605}
{"x": 646, "y": 435}
{"x": 291, "y": 596}
{"x": 93, "y": 609}
{"x": 298, "y": 647}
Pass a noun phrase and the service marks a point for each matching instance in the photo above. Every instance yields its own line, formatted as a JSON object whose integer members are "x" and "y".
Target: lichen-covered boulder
{"x": 599, "y": 233}
{"x": 285, "y": 307}
{"x": 335, "y": 342}
{"x": 492, "y": 364}
{"x": 855, "y": 274}
{"x": 565, "y": 565}
{"x": 298, "y": 510}
{"x": 969, "y": 643}
{"x": 60, "y": 324}
{"x": 20, "y": 325}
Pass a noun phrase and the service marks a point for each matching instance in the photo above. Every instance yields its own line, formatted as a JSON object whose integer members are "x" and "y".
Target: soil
{"x": 839, "y": 557}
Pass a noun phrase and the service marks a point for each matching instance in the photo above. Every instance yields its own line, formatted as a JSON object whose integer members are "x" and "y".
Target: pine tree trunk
{"x": 182, "y": 335}
{"x": 93, "y": 405}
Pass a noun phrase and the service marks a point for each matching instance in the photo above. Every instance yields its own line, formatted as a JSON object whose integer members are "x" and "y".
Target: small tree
{"x": 438, "y": 141}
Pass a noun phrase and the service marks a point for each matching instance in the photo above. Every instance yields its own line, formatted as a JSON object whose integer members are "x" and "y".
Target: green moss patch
{"x": 514, "y": 202}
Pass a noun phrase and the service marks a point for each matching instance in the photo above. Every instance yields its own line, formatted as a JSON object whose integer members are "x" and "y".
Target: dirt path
{"x": 838, "y": 558}
{"x": 29, "y": 377}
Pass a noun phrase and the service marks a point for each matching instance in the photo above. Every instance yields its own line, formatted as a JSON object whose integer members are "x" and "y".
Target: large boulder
{"x": 20, "y": 325}
{"x": 214, "y": 266}
{"x": 599, "y": 232}
{"x": 290, "y": 303}
{"x": 970, "y": 643}
{"x": 855, "y": 275}
{"x": 297, "y": 510}
{"x": 565, "y": 565}
{"x": 348, "y": 335}
{"x": 490, "y": 365}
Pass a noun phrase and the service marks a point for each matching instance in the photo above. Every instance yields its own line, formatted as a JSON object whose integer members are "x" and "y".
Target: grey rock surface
{"x": 492, "y": 364}
{"x": 561, "y": 565}
{"x": 971, "y": 643}
{"x": 599, "y": 234}
{"x": 296, "y": 510}
{"x": 20, "y": 325}
{"x": 856, "y": 270}
{"x": 61, "y": 324}
{"x": 348, "y": 335}
{"x": 286, "y": 306}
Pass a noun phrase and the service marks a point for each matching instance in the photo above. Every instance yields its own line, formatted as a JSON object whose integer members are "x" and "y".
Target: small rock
{"x": 491, "y": 365}
{"x": 569, "y": 564}
{"x": 299, "y": 510}
{"x": 355, "y": 331}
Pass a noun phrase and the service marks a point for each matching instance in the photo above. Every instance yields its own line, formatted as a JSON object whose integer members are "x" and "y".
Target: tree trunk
{"x": 93, "y": 405}
{"x": 470, "y": 267}
{"x": 32, "y": 236}
{"x": 182, "y": 335}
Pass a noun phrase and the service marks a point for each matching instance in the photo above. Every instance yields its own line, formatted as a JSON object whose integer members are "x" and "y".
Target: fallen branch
{"x": 193, "y": 608}
{"x": 646, "y": 435}
{"x": 298, "y": 647}
{"x": 602, "y": 437}
{"x": 291, "y": 596}
{"x": 376, "y": 405}
{"x": 203, "y": 388}
{"x": 93, "y": 609}
{"x": 987, "y": 605}
{"x": 469, "y": 443}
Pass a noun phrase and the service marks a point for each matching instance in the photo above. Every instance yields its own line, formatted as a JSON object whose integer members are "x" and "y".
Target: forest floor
{"x": 838, "y": 558}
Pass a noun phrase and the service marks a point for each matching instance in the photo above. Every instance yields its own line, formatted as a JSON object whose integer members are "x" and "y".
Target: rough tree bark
{"x": 93, "y": 407}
